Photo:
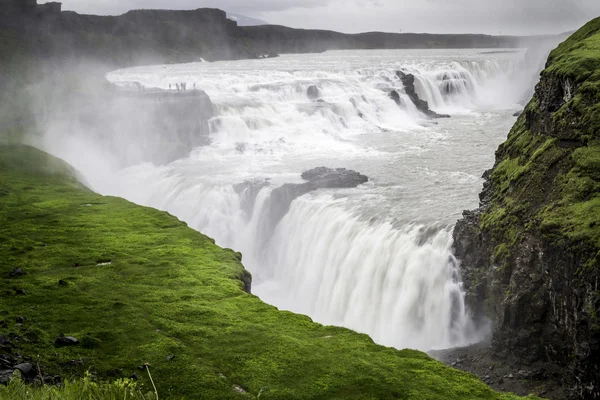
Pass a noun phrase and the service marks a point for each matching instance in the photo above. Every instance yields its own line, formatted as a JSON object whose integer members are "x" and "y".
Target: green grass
{"x": 547, "y": 173}
{"x": 137, "y": 286}
{"x": 577, "y": 57}
{"x": 86, "y": 388}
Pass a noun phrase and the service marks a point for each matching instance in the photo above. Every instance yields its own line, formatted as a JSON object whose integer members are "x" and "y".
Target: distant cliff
{"x": 282, "y": 39}
{"x": 530, "y": 253}
{"x": 137, "y": 37}
{"x": 157, "y": 36}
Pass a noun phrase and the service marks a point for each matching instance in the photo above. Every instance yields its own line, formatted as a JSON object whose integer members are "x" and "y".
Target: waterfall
{"x": 376, "y": 258}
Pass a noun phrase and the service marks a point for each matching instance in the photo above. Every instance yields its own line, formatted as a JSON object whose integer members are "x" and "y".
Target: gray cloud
{"x": 436, "y": 16}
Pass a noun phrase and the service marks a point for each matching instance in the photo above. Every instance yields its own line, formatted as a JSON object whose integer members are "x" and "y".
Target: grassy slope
{"x": 547, "y": 176}
{"x": 170, "y": 291}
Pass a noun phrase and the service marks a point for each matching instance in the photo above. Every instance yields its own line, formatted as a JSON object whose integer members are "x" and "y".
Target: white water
{"x": 377, "y": 258}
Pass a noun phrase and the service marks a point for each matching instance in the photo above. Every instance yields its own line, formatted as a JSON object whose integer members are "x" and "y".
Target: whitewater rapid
{"x": 377, "y": 258}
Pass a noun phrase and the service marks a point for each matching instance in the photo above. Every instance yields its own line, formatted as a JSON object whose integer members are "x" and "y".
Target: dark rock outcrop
{"x": 529, "y": 254}
{"x": 249, "y": 191}
{"x": 278, "y": 204}
{"x": 313, "y": 92}
{"x": 394, "y": 95}
{"x": 26, "y": 369}
{"x": 408, "y": 80}
{"x": 134, "y": 126}
{"x": 322, "y": 177}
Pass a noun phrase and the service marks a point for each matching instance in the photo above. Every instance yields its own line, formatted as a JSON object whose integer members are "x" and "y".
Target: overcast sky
{"x": 436, "y": 16}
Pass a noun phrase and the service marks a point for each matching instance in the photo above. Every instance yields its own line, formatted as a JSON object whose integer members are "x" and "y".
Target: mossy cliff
{"x": 135, "y": 285}
{"x": 530, "y": 252}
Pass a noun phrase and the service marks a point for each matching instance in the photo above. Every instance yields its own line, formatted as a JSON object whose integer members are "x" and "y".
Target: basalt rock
{"x": 408, "y": 80}
{"x": 323, "y": 177}
{"x": 529, "y": 254}
{"x": 249, "y": 191}
{"x": 313, "y": 92}
{"x": 394, "y": 95}
{"x": 278, "y": 204}
{"x": 26, "y": 369}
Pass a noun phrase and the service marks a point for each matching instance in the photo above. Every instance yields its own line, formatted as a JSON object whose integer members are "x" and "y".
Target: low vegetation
{"x": 86, "y": 388}
{"x": 135, "y": 285}
{"x": 547, "y": 171}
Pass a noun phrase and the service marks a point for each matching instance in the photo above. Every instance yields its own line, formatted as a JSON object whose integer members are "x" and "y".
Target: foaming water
{"x": 376, "y": 258}
{"x": 397, "y": 284}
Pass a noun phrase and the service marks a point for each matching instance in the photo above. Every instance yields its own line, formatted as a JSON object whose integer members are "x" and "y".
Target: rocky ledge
{"x": 282, "y": 197}
{"x": 408, "y": 80}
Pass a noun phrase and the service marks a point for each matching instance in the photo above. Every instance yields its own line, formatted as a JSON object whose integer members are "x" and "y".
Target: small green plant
{"x": 85, "y": 388}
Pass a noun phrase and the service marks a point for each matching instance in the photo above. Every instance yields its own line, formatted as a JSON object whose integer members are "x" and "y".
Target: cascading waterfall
{"x": 376, "y": 258}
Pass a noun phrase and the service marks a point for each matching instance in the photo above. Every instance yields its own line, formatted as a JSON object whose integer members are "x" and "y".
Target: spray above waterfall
{"x": 372, "y": 256}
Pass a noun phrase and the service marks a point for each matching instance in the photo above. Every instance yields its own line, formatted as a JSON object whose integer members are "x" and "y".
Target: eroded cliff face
{"x": 124, "y": 125}
{"x": 530, "y": 252}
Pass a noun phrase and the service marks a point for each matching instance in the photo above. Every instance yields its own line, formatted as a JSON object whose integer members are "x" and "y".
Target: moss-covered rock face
{"x": 135, "y": 285}
{"x": 530, "y": 253}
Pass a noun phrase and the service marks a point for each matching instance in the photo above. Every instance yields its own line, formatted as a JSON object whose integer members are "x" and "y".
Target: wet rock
{"x": 278, "y": 204}
{"x": 65, "y": 341}
{"x": 240, "y": 148}
{"x": 248, "y": 192}
{"x": 408, "y": 80}
{"x": 313, "y": 92}
{"x": 394, "y": 95}
{"x": 323, "y": 177}
{"x": 246, "y": 278}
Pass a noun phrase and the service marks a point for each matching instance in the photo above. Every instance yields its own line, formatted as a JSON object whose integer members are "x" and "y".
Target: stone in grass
{"x": 26, "y": 369}
{"x": 65, "y": 341}
{"x": 239, "y": 389}
{"x": 5, "y": 377}
{"x": 16, "y": 272}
